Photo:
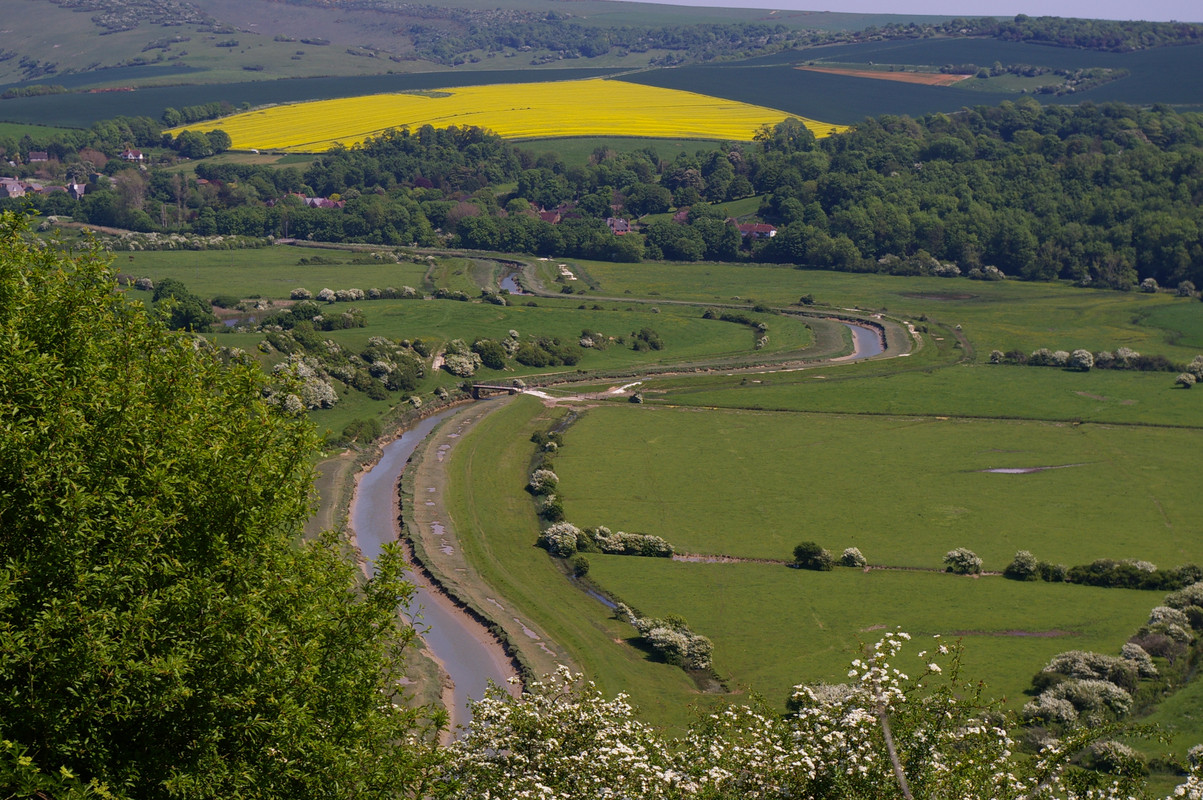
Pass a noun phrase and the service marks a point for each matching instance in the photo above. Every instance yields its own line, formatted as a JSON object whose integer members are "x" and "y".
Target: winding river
{"x": 458, "y": 642}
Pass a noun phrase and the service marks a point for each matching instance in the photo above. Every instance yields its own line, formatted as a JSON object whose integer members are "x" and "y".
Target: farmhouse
{"x": 11, "y": 187}
{"x": 38, "y": 155}
{"x": 130, "y": 154}
{"x": 756, "y": 230}
{"x": 618, "y": 226}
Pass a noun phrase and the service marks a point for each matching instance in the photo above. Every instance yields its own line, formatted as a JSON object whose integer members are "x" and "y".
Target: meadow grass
{"x": 972, "y": 390}
{"x": 775, "y": 627}
{"x": 905, "y": 490}
{"x": 270, "y": 272}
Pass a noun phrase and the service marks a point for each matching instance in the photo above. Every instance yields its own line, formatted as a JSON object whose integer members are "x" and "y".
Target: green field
{"x": 754, "y": 484}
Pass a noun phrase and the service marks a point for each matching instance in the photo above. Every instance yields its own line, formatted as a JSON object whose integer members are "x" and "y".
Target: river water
{"x": 454, "y": 638}
{"x": 867, "y": 340}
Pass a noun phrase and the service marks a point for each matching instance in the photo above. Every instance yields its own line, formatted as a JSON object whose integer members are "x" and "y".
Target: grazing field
{"x": 979, "y": 390}
{"x": 775, "y": 627}
{"x": 818, "y": 620}
{"x": 520, "y": 111}
{"x": 754, "y": 484}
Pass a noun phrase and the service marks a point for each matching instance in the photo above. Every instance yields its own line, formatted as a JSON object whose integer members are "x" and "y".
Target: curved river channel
{"x": 457, "y": 641}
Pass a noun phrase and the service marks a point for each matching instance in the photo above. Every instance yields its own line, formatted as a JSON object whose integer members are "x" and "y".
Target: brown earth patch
{"x": 922, "y": 78}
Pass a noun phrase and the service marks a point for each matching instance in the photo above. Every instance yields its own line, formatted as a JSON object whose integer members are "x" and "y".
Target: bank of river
{"x": 466, "y": 652}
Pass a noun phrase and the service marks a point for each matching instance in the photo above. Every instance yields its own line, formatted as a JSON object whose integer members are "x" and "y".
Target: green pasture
{"x": 972, "y": 390}
{"x": 994, "y": 315}
{"x": 774, "y": 627}
{"x": 38, "y": 133}
{"x": 905, "y": 490}
{"x": 271, "y": 272}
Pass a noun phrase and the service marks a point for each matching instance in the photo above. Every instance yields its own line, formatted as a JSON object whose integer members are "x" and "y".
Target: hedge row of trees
{"x": 1100, "y": 194}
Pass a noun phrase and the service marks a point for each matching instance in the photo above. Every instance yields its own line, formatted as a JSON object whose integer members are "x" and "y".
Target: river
{"x": 456, "y": 640}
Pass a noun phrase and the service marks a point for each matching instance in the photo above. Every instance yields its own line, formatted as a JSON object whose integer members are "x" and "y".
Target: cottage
{"x": 38, "y": 155}
{"x": 132, "y": 155}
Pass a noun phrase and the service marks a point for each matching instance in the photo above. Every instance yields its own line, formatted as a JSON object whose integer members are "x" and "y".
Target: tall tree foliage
{"x": 163, "y": 632}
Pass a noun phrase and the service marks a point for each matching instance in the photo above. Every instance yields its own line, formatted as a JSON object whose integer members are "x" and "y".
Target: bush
{"x": 543, "y": 481}
{"x": 560, "y": 539}
{"x": 1186, "y": 380}
{"x": 808, "y": 555}
{"x": 1024, "y": 567}
{"x": 852, "y": 557}
{"x": 580, "y": 568}
{"x": 962, "y": 562}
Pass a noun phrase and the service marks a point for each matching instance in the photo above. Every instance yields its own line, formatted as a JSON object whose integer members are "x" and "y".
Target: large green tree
{"x": 164, "y": 631}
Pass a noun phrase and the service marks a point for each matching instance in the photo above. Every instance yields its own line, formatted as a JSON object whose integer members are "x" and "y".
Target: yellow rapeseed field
{"x": 594, "y": 107}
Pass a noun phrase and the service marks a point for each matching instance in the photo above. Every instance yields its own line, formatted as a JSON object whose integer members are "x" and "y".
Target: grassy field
{"x": 775, "y": 627}
{"x": 978, "y": 390}
{"x": 771, "y": 480}
{"x": 1009, "y": 629}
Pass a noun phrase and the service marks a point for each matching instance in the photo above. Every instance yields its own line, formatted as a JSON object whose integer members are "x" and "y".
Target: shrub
{"x": 1081, "y": 360}
{"x": 1148, "y": 285}
{"x": 809, "y": 555}
{"x": 852, "y": 557}
{"x": 580, "y": 568}
{"x": 1024, "y": 567}
{"x": 1094, "y": 666}
{"x": 543, "y": 481}
{"x": 1096, "y": 701}
{"x": 962, "y": 562}
{"x": 1141, "y": 661}
{"x": 1186, "y": 380}
{"x": 560, "y": 539}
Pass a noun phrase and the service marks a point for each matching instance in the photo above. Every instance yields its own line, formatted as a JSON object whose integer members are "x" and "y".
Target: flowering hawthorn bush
{"x": 883, "y": 735}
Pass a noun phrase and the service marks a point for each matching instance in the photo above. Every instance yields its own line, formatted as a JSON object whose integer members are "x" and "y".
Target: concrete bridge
{"x": 480, "y": 390}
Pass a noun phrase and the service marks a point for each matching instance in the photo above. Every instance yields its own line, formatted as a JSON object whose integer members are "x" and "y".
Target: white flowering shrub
{"x": 560, "y": 740}
{"x": 462, "y": 365}
{"x": 1140, "y": 660}
{"x": 1167, "y": 615}
{"x": 671, "y": 638}
{"x": 1084, "y": 664}
{"x": 560, "y": 539}
{"x": 1048, "y": 710}
{"x": 630, "y": 544}
{"x": 1186, "y": 380}
{"x": 851, "y": 557}
{"x": 884, "y": 735}
{"x": 1082, "y": 360}
{"x": 1124, "y": 357}
{"x": 300, "y": 293}
{"x": 1149, "y": 285}
{"x": 543, "y": 481}
{"x": 326, "y": 295}
{"x": 962, "y": 562}
{"x": 1097, "y": 701}
{"x": 1190, "y": 596}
